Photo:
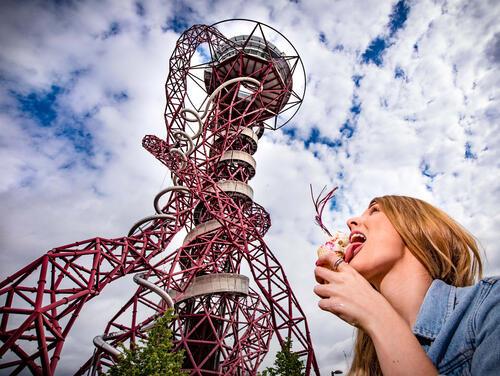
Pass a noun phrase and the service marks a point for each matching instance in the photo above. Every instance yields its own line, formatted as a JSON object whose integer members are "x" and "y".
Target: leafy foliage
{"x": 153, "y": 356}
{"x": 287, "y": 363}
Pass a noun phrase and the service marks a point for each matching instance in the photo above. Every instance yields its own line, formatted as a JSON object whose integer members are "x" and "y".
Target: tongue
{"x": 351, "y": 251}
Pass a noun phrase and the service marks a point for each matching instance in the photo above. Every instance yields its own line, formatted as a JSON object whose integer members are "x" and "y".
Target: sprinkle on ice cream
{"x": 337, "y": 243}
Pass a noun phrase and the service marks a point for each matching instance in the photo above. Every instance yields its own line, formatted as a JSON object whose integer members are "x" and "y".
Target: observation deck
{"x": 255, "y": 57}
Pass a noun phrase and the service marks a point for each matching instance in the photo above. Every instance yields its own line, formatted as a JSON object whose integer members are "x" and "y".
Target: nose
{"x": 352, "y": 222}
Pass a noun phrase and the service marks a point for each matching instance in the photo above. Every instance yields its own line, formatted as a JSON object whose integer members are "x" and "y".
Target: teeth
{"x": 358, "y": 238}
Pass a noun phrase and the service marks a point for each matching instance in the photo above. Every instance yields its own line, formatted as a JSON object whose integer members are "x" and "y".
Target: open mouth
{"x": 356, "y": 242}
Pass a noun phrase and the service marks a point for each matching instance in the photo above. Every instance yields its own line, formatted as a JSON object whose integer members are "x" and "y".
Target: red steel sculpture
{"x": 216, "y": 111}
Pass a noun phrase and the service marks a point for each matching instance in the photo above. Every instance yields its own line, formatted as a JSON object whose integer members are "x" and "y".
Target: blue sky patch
{"x": 40, "y": 106}
{"x": 324, "y": 40}
{"x": 425, "y": 168}
{"x": 398, "y": 16}
{"x": 139, "y": 9}
{"x": 355, "y": 108}
{"x": 289, "y": 131}
{"x": 357, "y": 80}
{"x": 120, "y": 97}
{"x": 204, "y": 53}
{"x": 114, "y": 29}
{"x": 374, "y": 52}
{"x": 468, "y": 152}
{"x": 399, "y": 73}
{"x": 333, "y": 205}
{"x": 322, "y": 37}
{"x": 180, "y": 21}
{"x": 347, "y": 129}
{"x": 78, "y": 134}
{"x": 28, "y": 176}
{"x": 178, "y": 24}
{"x": 313, "y": 138}
{"x": 426, "y": 171}
{"x": 53, "y": 121}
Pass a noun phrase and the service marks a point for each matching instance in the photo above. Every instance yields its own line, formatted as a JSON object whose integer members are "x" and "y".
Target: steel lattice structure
{"x": 216, "y": 111}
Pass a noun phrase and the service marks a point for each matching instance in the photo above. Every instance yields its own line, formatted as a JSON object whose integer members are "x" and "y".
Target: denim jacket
{"x": 459, "y": 327}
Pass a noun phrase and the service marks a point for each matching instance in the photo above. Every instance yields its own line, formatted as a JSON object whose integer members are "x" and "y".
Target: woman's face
{"x": 381, "y": 248}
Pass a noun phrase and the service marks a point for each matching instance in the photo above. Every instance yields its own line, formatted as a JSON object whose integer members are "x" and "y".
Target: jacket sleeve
{"x": 486, "y": 327}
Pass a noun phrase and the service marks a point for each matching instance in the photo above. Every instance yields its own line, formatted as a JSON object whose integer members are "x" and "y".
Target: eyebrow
{"x": 372, "y": 202}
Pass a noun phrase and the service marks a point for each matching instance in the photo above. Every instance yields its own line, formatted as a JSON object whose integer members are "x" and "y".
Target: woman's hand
{"x": 346, "y": 293}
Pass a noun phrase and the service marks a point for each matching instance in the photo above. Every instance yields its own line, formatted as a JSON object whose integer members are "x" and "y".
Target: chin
{"x": 362, "y": 268}
{"x": 358, "y": 265}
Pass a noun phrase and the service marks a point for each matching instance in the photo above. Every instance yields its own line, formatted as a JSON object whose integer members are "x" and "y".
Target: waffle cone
{"x": 322, "y": 252}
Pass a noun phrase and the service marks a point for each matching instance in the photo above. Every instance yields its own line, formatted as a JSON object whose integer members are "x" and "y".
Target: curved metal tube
{"x": 100, "y": 340}
{"x": 180, "y": 135}
{"x": 156, "y": 202}
{"x": 175, "y": 180}
{"x": 140, "y": 280}
{"x": 180, "y": 153}
{"x": 223, "y": 85}
{"x": 150, "y": 218}
{"x": 199, "y": 119}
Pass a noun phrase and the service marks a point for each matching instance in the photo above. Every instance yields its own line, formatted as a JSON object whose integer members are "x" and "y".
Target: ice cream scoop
{"x": 337, "y": 243}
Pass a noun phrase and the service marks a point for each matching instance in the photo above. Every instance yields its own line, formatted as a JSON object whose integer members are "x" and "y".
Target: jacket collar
{"x": 439, "y": 302}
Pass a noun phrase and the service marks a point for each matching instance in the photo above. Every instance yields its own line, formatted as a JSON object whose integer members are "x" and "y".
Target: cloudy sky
{"x": 402, "y": 98}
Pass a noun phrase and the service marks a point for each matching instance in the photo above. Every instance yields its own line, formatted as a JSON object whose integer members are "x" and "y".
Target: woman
{"x": 403, "y": 285}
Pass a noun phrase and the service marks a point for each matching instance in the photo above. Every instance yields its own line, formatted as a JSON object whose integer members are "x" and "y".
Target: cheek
{"x": 389, "y": 251}
{"x": 394, "y": 245}
{"x": 388, "y": 240}
{"x": 378, "y": 254}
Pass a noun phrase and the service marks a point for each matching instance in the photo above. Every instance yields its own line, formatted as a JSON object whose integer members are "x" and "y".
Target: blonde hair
{"x": 446, "y": 249}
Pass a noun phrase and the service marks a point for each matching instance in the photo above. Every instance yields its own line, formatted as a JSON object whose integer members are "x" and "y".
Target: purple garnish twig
{"x": 319, "y": 204}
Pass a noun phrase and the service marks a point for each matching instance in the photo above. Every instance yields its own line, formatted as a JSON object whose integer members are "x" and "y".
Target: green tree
{"x": 153, "y": 356}
{"x": 287, "y": 363}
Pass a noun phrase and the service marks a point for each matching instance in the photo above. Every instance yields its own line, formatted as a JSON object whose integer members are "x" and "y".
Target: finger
{"x": 337, "y": 263}
{"x": 327, "y": 259}
{"x": 324, "y": 291}
{"x": 331, "y": 260}
{"x": 321, "y": 281}
{"x": 326, "y": 275}
{"x": 348, "y": 320}
{"x": 331, "y": 305}
{"x": 324, "y": 262}
{"x": 318, "y": 278}
{"x": 324, "y": 304}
